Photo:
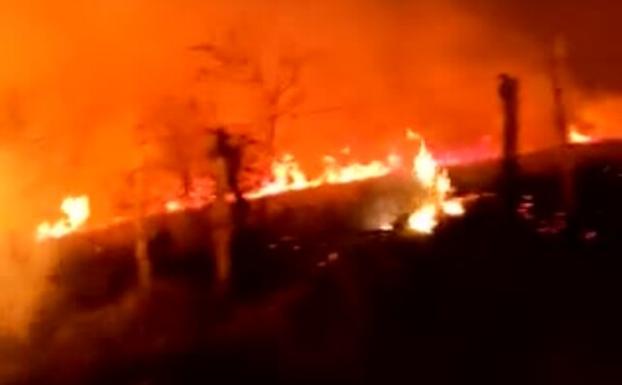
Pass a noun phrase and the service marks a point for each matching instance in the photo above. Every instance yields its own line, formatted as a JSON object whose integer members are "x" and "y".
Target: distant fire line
{"x": 287, "y": 175}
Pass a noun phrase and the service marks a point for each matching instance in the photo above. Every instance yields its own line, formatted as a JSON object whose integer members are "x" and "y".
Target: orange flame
{"x": 575, "y": 136}
{"x": 438, "y": 187}
{"x": 425, "y": 168}
{"x": 287, "y": 175}
{"x": 453, "y": 207}
{"x": 424, "y": 219}
{"x": 76, "y": 210}
{"x": 173, "y": 206}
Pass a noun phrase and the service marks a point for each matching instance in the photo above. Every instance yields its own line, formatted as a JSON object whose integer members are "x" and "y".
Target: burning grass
{"x": 287, "y": 175}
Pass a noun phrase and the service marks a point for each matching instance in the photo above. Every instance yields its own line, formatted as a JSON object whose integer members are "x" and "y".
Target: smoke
{"x": 24, "y": 280}
{"x": 82, "y": 78}
{"x": 82, "y": 84}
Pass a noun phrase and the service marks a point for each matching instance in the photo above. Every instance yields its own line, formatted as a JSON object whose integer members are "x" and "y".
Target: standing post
{"x": 508, "y": 91}
{"x": 141, "y": 252}
{"x": 565, "y": 155}
{"x": 225, "y": 174}
{"x": 557, "y": 68}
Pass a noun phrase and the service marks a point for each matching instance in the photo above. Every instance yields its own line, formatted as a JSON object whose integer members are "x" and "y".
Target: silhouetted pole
{"x": 226, "y": 167}
{"x": 508, "y": 92}
{"x": 561, "y": 124}
{"x": 141, "y": 252}
{"x": 566, "y": 157}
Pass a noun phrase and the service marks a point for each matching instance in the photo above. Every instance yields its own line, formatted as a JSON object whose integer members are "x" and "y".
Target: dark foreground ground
{"x": 485, "y": 300}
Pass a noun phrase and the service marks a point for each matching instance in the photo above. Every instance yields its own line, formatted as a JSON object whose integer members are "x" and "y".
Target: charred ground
{"x": 486, "y": 299}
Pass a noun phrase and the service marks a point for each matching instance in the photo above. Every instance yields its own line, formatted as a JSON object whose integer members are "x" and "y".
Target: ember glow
{"x": 287, "y": 175}
{"x": 575, "y": 136}
{"x": 425, "y": 168}
{"x": 438, "y": 189}
{"x": 426, "y": 171}
{"x": 173, "y": 206}
{"x": 76, "y": 211}
{"x": 423, "y": 220}
{"x": 453, "y": 207}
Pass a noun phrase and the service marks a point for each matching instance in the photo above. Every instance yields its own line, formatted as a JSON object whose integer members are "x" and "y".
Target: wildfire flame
{"x": 173, "y": 206}
{"x": 453, "y": 207}
{"x": 425, "y": 168}
{"x": 438, "y": 189}
{"x": 287, "y": 175}
{"x": 77, "y": 212}
{"x": 424, "y": 220}
{"x": 575, "y": 136}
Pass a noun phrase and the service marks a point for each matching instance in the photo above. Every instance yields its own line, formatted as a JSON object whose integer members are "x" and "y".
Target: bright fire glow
{"x": 173, "y": 206}
{"x": 574, "y": 136}
{"x": 425, "y": 168}
{"x": 438, "y": 187}
{"x": 424, "y": 219}
{"x": 386, "y": 227}
{"x": 287, "y": 175}
{"x": 453, "y": 207}
{"x": 76, "y": 211}
{"x": 412, "y": 135}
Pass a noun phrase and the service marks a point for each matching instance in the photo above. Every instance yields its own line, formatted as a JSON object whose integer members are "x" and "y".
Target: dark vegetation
{"x": 487, "y": 299}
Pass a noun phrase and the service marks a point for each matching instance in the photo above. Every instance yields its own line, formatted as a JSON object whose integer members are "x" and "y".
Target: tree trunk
{"x": 508, "y": 91}
{"x": 141, "y": 252}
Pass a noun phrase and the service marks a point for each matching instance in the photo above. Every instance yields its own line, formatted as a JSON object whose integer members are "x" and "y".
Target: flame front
{"x": 575, "y": 136}
{"x": 424, "y": 219}
{"x": 425, "y": 168}
{"x": 438, "y": 188}
{"x": 287, "y": 175}
{"x": 76, "y": 211}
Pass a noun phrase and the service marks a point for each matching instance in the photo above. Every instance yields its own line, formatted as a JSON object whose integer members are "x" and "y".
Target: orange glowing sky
{"x": 77, "y": 78}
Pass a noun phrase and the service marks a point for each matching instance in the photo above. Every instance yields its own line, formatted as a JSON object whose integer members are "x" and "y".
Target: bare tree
{"x": 279, "y": 81}
{"x": 137, "y": 180}
{"x": 178, "y": 139}
{"x": 173, "y": 129}
{"x": 284, "y": 95}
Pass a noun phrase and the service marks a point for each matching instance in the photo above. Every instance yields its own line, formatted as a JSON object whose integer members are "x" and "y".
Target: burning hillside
{"x": 575, "y": 136}
{"x": 107, "y": 98}
{"x": 202, "y": 154}
{"x": 287, "y": 175}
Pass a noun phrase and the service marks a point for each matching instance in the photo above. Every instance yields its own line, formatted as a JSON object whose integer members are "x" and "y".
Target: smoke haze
{"x": 81, "y": 82}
